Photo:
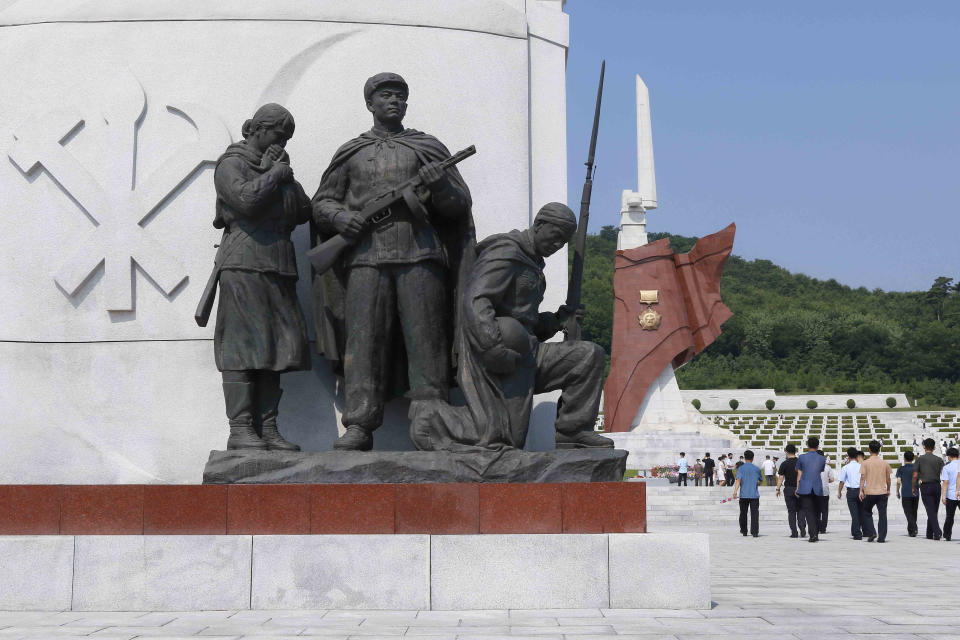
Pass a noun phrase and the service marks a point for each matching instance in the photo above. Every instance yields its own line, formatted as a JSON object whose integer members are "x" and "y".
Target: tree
{"x": 937, "y": 295}
{"x": 891, "y": 402}
{"x": 851, "y": 404}
{"x": 696, "y": 404}
{"x": 770, "y": 404}
{"x": 811, "y": 404}
{"x": 795, "y": 333}
{"x": 734, "y": 403}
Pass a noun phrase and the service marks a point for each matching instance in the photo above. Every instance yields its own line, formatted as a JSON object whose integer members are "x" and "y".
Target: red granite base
{"x": 592, "y": 507}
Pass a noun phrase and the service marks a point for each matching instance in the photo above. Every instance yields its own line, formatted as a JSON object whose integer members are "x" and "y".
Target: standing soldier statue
{"x": 403, "y": 268}
{"x": 260, "y": 330}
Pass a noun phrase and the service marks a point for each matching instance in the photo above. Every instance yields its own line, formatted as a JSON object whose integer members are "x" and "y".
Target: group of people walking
{"x": 805, "y": 481}
{"x": 866, "y": 484}
{"x": 720, "y": 472}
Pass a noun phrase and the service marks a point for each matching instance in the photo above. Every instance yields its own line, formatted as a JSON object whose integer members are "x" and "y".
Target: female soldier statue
{"x": 260, "y": 330}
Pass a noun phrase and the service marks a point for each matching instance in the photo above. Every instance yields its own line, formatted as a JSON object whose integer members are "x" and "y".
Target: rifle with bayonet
{"x": 574, "y": 287}
{"x": 325, "y": 255}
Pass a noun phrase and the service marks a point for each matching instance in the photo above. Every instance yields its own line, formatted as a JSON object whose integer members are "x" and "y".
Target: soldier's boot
{"x": 585, "y": 439}
{"x": 355, "y": 439}
{"x": 240, "y": 402}
{"x": 269, "y": 408}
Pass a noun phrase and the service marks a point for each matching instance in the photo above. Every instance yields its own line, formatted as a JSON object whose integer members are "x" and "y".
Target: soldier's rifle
{"x": 228, "y": 243}
{"x": 205, "y": 306}
{"x": 574, "y": 287}
{"x": 326, "y": 254}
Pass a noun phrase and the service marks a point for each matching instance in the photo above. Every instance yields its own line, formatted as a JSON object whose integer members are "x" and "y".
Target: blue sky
{"x": 828, "y": 131}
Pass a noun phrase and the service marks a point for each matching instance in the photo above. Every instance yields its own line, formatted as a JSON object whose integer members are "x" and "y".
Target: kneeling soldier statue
{"x": 503, "y": 359}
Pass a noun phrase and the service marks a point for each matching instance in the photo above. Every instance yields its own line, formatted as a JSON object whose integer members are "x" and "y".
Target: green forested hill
{"x": 796, "y": 333}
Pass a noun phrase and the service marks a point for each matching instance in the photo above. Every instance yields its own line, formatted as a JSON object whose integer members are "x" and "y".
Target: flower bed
{"x": 669, "y": 471}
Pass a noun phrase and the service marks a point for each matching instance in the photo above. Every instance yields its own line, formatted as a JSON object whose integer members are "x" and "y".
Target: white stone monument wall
{"x": 111, "y": 116}
{"x": 755, "y": 400}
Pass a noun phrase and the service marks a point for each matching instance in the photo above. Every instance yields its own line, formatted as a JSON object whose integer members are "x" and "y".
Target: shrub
{"x": 770, "y": 404}
{"x": 696, "y": 404}
{"x": 851, "y": 404}
{"x": 734, "y": 403}
{"x": 891, "y": 402}
{"x": 811, "y": 404}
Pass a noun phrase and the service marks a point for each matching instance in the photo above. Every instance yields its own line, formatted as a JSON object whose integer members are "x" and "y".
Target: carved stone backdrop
{"x": 121, "y": 208}
{"x": 111, "y": 117}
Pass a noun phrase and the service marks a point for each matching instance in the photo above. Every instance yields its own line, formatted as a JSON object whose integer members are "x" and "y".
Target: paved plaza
{"x": 767, "y": 588}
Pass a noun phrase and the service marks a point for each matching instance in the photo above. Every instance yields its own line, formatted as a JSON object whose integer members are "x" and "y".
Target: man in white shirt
{"x": 682, "y": 468}
{"x": 850, "y": 478}
{"x": 768, "y": 471}
{"x": 722, "y": 470}
{"x": 823, "y": 502}
{"x": 949, "y": 479}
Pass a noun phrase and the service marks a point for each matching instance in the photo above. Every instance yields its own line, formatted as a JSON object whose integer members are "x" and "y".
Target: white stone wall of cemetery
{"x": 111, "y": 119}
{"x": 755, "y": 400}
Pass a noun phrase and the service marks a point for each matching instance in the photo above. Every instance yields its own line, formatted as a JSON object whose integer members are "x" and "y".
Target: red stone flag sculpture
{"x": 667, "y": 309}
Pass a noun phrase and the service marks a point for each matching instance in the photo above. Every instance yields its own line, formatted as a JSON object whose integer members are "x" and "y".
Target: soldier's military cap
{"x": 381, "y": 79}
{"x": 558, "y": 214}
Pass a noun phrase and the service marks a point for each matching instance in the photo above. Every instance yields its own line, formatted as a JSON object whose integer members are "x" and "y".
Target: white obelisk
{"x": 663, "y": 404}
{"x": 635, "y": 204}
{"x": 663, "y": 426}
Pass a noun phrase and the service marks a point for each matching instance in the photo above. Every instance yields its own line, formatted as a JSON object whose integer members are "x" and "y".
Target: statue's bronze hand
{"x": 349, "y": 224}
{"x": 273, "y": 154}
{"x": 431, "y": 173}
{"x": 501, "y": 360}
{"x": 565, "y": 311}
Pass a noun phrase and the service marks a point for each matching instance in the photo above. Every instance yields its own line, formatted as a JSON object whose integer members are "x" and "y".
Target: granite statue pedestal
{"x": 374, "y": 467}
{"x": 423, "y": 546}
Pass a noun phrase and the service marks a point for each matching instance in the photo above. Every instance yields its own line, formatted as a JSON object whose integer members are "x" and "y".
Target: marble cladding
{"x": 672, "y": 567}
{"x": 417, "y": 571}
{"x": 36, "y": 572}
{"x": 147, "y": 573}
{"x": 341, "y": 572}
{"x": 519, "y": 571}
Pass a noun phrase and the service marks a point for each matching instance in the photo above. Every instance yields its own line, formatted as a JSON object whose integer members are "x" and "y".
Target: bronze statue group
{"x": 412, "y": 302}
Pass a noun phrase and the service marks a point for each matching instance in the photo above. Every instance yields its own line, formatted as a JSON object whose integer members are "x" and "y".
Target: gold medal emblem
{"x": 649, "y": 319}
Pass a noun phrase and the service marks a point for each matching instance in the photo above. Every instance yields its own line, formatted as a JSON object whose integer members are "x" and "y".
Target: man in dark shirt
{"x": 908, "y": 497}
{"x": 787, "y": 479}
{"x": 927, "y": 476}
{"x": 809, "y": 485}
{"x": 708, "y": 466}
